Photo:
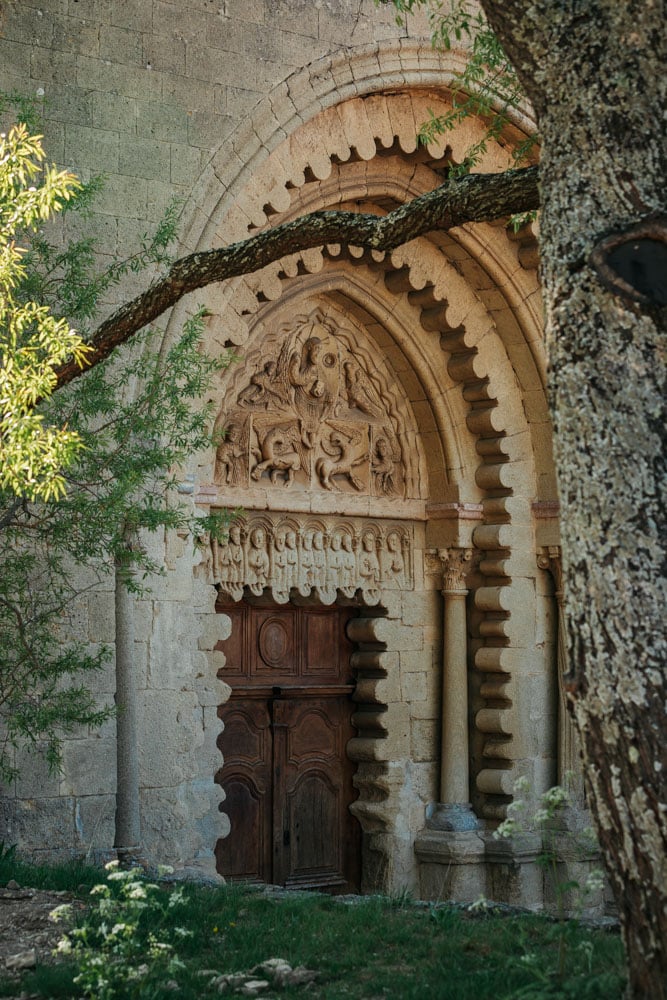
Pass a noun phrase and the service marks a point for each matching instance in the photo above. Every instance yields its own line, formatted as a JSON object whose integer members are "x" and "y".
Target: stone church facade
{"x": 373, "y": 653}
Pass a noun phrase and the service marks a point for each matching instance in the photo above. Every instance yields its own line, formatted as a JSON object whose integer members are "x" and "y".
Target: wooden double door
{"x": 286, "y": 774}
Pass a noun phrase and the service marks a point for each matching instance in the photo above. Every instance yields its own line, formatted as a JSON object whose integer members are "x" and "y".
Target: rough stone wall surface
{"x": 144, "y": 92}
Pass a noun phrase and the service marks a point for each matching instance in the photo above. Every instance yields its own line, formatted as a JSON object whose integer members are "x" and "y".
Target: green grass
{"x": 72, "y": 876}
{"x": 372, "y": 949}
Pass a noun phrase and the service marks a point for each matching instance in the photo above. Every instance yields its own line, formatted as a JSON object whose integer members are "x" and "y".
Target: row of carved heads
{"x": 315, "y": 559}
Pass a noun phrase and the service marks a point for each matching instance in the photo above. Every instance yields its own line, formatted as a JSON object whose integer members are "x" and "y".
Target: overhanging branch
{"x": 474, "y": 198}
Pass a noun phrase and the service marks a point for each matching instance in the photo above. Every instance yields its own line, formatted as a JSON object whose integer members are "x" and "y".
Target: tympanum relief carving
{"x": 320, "y": 558}
{"x": 310, "y": 410}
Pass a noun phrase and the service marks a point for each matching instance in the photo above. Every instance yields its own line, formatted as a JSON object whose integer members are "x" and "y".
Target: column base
{"x": 452, "y": 816}
{"x": 451, "y": 865}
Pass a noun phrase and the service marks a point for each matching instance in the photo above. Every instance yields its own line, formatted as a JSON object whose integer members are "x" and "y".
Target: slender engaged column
{"x": 570, "y": 768}
{"x": 128, "y": 826}
{"x": 454, "y": 811}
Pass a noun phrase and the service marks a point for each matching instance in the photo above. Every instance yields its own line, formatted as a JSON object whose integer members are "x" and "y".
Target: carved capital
{"x": 549, "y": 558}
{"x": 456, "y": 565}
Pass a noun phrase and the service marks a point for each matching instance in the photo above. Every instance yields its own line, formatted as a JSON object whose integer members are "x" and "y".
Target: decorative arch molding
{"x": 483, "y": 258}
{"x": 367, "y": 70}
{"x": 473, "y": 296}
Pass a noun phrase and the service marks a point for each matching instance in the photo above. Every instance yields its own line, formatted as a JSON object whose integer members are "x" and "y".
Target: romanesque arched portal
{"x": 388, "y": 440}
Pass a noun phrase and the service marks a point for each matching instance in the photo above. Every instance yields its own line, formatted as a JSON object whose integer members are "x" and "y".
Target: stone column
{"x": 570, "y": 769}
{"x": 128, "y": 826}
{"x": 454, "y": 811}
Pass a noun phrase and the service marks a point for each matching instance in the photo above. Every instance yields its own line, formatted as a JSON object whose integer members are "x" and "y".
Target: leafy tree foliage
{"x": 32, "y": 339}
{"x": 86, "y": 470}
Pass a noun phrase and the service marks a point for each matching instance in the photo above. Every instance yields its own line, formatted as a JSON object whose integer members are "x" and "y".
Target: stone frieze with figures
{"x": 321, "y": 558}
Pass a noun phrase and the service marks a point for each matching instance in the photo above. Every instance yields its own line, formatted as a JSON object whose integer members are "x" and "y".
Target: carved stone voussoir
{"x": 313, "y": 557}
{"x": 310, "y": 410}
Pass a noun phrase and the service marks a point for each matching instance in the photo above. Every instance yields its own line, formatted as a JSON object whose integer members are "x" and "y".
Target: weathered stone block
{"x": 101, "y": 618}
{"x": 128, "y": 81}
{"x": 414, "y": 686}
{"x": 34, "y": 822}
{"x": 172, "y": 733}
{"x": 121, "y": 45}
{"x": 89, "y": 767}
{"x": 70, "y": 34}
{"x": 141, "y": 158}
{"x": 95, "y": 821}
{"x": 124, "y": 197}
{"x": 424, "y": 742}
{"x": 35, "y": 778}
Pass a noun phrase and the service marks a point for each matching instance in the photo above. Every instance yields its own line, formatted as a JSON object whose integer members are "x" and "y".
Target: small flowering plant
{"x": 547, "y": 820}
{"x": 127, "y": 943}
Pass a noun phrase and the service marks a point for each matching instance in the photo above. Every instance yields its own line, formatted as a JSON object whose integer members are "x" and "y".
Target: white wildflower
{"x": 136, "y": 891}
{"x": 64, "y": 946}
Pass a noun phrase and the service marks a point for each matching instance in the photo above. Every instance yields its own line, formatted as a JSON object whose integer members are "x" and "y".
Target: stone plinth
{"x": 451, "y": 865}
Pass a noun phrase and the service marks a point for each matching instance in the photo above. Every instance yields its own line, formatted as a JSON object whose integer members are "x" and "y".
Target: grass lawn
{"x": 175, "y": 943}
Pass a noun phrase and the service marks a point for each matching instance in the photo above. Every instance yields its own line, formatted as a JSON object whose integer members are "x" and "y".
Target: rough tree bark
{"x": 477, "y": 198}
{"x": 594, "y": 72}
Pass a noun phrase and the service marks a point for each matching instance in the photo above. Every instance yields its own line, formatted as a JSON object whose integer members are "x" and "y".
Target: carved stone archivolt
{"x": 311, "y": 410}
{"x": 315, "y": 558}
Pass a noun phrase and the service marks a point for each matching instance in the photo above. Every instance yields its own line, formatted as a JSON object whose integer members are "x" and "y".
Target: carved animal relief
{"x": 314, "y": 558}
{"x": 311, "y": 411}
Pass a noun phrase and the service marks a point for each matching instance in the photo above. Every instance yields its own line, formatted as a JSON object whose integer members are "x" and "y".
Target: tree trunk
{"x": 595, "y": 74}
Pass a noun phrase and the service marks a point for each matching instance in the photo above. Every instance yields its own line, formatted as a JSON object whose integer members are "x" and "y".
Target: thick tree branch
{"x": 475, "y": 198}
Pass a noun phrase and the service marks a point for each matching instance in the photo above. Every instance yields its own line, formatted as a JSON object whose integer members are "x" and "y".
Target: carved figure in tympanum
{"x": 319, "y": 560}
{"x": 334, "y": 562}
{"x": 231, "y": 456}
{"x": 312, "y": 411}
{"x": 348, "y": 566}
{"x": 314, "y": 377}
{"x": 384, "y": 460}
{"x": 360, "y": 391}
{"x": 280, "y": 569}
{"x": 264, "y": 389}
{"x": 291, "y": 560}
{"x": 280, "y": 452}
{"x": 307, "y": 574}
{"x": 236, "y": 560}
{"x": 346, "y": 446}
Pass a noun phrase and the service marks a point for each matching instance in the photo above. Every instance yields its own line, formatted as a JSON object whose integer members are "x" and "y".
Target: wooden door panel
{"x": 246, "y": 852}
{"x": 313, "y": 817}
{"x": 311, "y": 792}
{"x": 236, "y": 665}
{"x": 311, "y": 732}
{"x": 274, "y": 654}
{"x": 286, "y": 774}
{"x": 247, "y": 778}
{"x": 320, "y": 648}
{"x": 247, "y": 735}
